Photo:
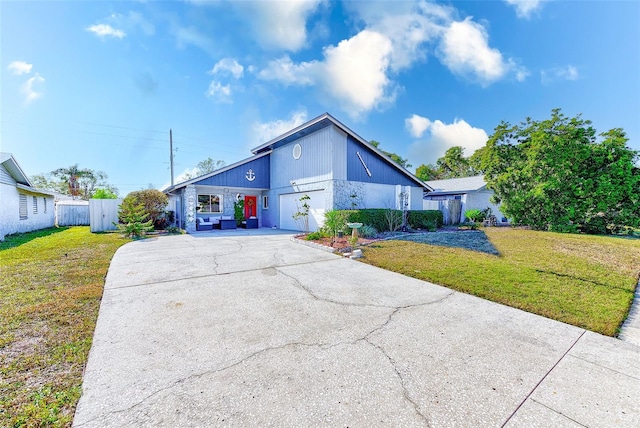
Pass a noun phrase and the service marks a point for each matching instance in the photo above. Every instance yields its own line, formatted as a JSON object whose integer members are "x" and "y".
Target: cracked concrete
{"x": 242, "y": 330}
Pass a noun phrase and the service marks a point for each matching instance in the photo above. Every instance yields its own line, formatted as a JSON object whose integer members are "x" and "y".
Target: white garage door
{"x": 290, "y": 204}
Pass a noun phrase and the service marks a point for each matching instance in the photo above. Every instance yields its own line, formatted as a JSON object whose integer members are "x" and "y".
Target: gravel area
{"x": 474, "y": 240}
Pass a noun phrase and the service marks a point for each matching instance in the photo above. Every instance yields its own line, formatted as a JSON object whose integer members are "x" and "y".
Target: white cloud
{"x": 417, "y": 125}
{"x": 106, "y": 30}
{"x": 568, "y": 72}
{"x": 354, "y": 72}
{"x": 265, "y": 131}
{"x": 228, "y": 66}
{"x": 285, "y": 71}
{"x": 525, "y": 8}
{"x": 442, "y": 136}
{"x": 465, "y": 50}
{"x": 30, "y": 88}
{"x": 219, "y": 92}
{"x": 408, "y": 25}
{"x": 280, "y": 24}
{"x": 19, "y": 67}
{"x": 359, "y": 72}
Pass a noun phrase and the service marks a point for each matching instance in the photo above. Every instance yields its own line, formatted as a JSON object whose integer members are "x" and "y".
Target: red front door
{"x": 250, "y": 206}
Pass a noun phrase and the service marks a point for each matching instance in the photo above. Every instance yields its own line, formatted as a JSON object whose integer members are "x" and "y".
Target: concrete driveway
{"x": 257, "y": 330}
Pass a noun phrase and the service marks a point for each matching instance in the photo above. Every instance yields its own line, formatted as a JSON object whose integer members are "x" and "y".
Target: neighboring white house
{"x": 321, "y": 159}
{"x": 471, "y": 191}
{"x": 23, "y": 208}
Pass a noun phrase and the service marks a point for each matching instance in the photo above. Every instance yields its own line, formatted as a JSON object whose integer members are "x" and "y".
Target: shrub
{"x": 334, "y": 222}
{"x": 174, "y": 229}
{"x": 367, "y": 231}
{"x": 133, "y": 219}
{"x": 373, "y": 216}
{"x": 427, "y": 219}
{"x": 474, "y": 215}
{"x": 104, "y": 194}
{"x": 153, "y": 202}
{"x": 314, "y": 236}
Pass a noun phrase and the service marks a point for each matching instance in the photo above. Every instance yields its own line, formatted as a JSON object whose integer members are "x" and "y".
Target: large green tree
{"x": 452, "y": 165}
{"x": 556, "y": 174}
{"x": 394, "y": 157}
{"x": 74, "y": 181}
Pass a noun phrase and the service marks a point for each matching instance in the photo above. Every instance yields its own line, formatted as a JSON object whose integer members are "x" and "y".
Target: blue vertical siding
{"x": 381, "y": 171}
{"x": 237, "y": 177}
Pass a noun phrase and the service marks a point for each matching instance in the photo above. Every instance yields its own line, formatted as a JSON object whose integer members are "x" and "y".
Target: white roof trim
{"x": 14, "y": 169}
{"x": 31, "y": 189}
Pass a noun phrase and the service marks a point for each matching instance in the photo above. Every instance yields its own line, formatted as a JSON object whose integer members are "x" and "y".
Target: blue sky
{"x": 101, "y": 83}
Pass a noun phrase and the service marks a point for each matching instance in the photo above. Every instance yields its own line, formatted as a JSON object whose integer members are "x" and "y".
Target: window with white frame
{"x": 44, "y": 202}
{"x": 23, "y": 207}
{"x": 265, "y": 202}
{"x": 35, "y": 205}
{"x": 210, "y": 204}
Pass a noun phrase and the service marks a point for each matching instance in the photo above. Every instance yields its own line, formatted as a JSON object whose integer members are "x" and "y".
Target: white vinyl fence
{"x": 72, "y": 213}
{"x": 103, "y": 212}
{"x": 451, "y": 209}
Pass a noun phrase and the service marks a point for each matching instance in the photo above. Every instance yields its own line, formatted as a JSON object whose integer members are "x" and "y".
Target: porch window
{"x": 265, "y": 202}
{"x": 209, "y": 203}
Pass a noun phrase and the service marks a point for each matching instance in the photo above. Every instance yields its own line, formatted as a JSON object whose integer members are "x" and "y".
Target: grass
{"x": 586, "y": 281}
{"x": 51, "y": 283}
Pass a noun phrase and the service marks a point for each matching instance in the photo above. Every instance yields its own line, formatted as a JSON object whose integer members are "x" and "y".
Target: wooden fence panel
{"x": 72, "y": 215}
{"x": 103, "y": 213}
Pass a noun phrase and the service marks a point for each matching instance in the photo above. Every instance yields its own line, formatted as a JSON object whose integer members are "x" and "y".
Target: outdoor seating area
{"x": 250, "y": 223}
{"x": 215, "y": 222}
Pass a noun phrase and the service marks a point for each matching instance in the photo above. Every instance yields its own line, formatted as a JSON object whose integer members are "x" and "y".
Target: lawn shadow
{"x": 17, "y": 239}
{"x": 474, "y": 240}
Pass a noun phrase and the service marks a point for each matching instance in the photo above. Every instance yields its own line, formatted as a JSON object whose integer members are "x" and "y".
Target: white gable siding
{"x": 5, "y": 177}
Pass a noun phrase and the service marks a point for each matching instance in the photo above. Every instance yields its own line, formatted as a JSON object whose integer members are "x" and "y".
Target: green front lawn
{"x": 587, "y": 281}
{"x": 51, "y": 284}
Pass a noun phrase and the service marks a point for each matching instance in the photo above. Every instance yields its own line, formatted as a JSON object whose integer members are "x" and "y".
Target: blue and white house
{"x": 322, "y": 161}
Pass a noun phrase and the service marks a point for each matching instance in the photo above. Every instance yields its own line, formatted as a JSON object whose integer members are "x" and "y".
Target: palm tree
{"x": 72, "y": 176}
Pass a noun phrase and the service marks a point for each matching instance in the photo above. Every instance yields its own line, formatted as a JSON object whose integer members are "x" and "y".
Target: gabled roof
{"x": 213, "y": 173}
{"x": 9, "y": 162}
{"x": 458, "y": 185}
{"x": 321, "y": 122}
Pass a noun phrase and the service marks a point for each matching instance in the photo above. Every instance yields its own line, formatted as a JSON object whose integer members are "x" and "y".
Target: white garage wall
{"x": 290, "y": 204}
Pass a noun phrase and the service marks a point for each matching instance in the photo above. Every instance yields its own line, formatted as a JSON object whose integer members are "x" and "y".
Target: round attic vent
{"x": 297, "y": 151}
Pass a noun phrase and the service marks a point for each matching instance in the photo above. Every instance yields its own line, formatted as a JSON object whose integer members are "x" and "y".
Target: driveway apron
{"x": 205, "y": 330}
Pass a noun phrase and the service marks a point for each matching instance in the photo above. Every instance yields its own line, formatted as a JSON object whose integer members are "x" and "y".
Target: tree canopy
{"x": 153, "y": 202}
{"x": 556, "y": 174}
{"x": 204, "y": 167}
{"x": 74, "y": 181}
{"x": 452, "y": 165}
{"x": 394, "y": 157}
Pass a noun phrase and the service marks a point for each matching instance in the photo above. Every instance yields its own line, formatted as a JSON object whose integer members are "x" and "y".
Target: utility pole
{"x": 171, "y": 154}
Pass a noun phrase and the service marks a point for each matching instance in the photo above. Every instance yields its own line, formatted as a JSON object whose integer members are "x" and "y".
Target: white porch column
{"x": 191, "y": 199}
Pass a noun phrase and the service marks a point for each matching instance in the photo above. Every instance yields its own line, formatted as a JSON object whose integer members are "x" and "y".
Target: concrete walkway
{"x": 255, "y": 330}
